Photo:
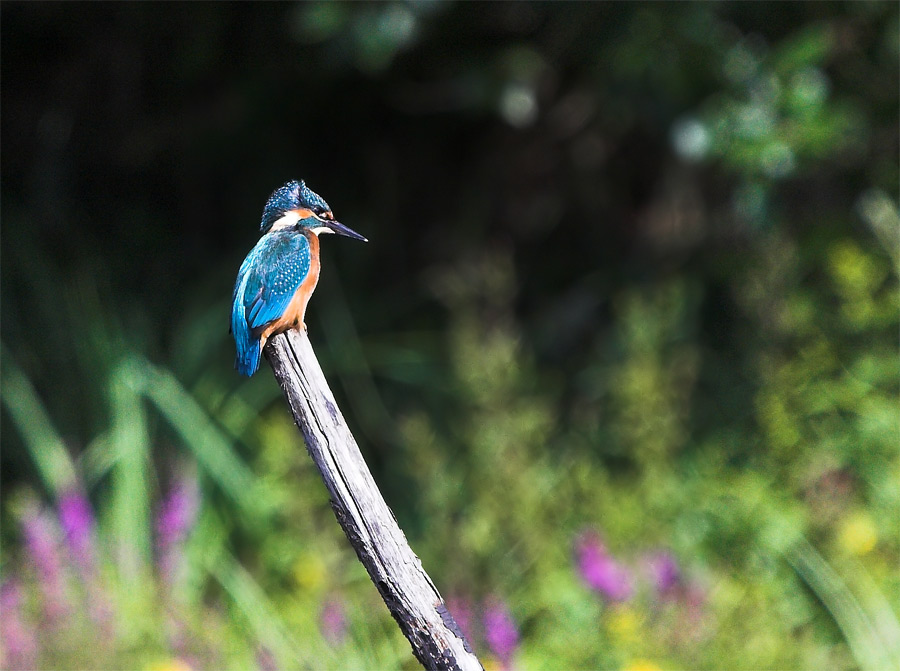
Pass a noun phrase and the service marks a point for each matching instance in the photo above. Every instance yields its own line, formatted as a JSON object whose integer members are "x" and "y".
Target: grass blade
{"x": 840, "y": 602}
{"x": 259, "y": 611}
{"x": 129, "y": 442}
{"x": 47, "y": 449}
{"x": 214, "y": 451}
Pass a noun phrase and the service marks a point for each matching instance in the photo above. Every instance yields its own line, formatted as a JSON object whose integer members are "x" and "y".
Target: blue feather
{"x": 267, "y": 281}
{"x": 291, "y": 196}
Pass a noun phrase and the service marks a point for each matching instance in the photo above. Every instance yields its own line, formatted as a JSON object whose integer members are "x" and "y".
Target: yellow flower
{"x": 857, "y": 534}
{"x": 173, "y": 664}
{"x": 641, "y": 665}
{"x": 623, "y": 623}
{"x": 310, "y": 571}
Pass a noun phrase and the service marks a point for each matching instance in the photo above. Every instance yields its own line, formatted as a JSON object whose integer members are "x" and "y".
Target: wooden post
{"x": 371, "y": 528}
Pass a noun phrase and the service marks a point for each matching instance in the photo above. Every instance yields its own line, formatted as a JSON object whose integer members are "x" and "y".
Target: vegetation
{"x": 622, "y": 352}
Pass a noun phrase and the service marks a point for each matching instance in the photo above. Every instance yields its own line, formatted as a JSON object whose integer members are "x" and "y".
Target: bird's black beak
{"x": 340, "y": 229}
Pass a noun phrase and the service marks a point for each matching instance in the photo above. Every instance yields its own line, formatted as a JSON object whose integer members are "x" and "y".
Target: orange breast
{"x": 295, "y": 313}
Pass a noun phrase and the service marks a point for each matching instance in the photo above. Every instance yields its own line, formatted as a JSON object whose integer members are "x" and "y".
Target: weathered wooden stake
{"x": 371, "y": 528}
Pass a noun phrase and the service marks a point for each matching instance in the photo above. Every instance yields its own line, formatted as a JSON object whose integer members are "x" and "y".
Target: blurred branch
{"x": 362, "y": 512}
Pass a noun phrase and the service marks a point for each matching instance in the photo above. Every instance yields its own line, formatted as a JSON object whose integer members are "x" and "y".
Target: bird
{"x": 278, "y": 276}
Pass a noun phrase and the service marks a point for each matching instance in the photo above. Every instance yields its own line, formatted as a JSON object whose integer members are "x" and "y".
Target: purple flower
{"x": 76, "y": 517}
{"x": 19, "y": 640}
{"x": 42, "y": 546}
{"x": 693, "y": 619}
{"x": 333, "y": 621}
{"x": 664, "y": 572}
{"x": 500, "y": 631}
{"x": 77, "y": 521}
{"x": 696, "y": 599}
{"x": 265, "y": 660}
{"x": 177, "y": 513}
{"x": 174, "y": 520}
{"x": 600, "y": 571}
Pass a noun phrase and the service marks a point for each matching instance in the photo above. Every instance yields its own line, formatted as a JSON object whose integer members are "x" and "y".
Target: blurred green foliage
{"x": 633, "y": 287}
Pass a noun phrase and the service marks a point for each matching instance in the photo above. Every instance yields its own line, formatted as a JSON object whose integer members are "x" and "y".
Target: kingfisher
{"x": 280, "y": 273}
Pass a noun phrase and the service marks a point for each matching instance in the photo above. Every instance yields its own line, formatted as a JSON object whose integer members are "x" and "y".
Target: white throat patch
{"x": 286, "y": 220}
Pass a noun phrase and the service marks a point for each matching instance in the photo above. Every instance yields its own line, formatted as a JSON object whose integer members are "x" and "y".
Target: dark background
{"x": 139, "y": 143}
{"x": 687, "y": 186}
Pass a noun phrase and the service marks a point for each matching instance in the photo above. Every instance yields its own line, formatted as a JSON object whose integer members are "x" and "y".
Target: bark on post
{"x": 371, "y": 528}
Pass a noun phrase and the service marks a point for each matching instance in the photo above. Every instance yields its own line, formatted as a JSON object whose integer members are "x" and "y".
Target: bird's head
{"x": 296, "y": 206}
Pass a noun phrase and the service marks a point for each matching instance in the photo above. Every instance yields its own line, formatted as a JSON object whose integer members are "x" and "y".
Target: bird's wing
{"x": 273, "y": 277}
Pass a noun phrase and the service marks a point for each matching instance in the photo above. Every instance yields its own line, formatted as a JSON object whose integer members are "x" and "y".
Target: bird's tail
{"x": 248, "y": 349}
{"x": 247, "y": 361}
